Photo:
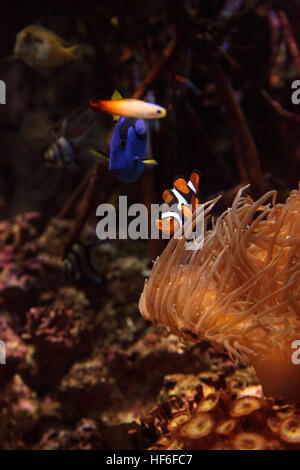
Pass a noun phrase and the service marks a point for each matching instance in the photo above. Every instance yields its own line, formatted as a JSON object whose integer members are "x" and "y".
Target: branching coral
{"x": 240, "y": 290}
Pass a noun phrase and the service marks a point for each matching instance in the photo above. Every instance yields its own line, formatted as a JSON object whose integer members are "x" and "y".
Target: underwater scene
{"x": 150, "y": 226}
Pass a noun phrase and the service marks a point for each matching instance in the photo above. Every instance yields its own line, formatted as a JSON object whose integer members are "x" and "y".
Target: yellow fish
{"x": 138, "y": 109}
{"x": 39, "y": 47}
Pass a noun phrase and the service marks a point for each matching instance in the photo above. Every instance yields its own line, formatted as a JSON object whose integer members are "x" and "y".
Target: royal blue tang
{"x": 127, "y": 148}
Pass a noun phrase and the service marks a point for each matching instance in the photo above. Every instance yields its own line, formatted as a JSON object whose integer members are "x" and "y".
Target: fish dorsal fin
{"x": 181, "y": 185}
{"x": 117, "y": 95}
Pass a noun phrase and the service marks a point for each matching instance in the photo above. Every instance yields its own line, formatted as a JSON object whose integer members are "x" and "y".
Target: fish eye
{"x": 158, "y": 111}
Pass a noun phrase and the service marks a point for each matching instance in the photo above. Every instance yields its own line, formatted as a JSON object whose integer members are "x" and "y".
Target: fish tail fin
{"x": 102, "y": 106}
{"x": 80, "y": 52}
{"x": 150, "y": 162}
{"x": 147, "y": 161}
{"x": 75, "y": 52}
{"x": 95, "y": 104}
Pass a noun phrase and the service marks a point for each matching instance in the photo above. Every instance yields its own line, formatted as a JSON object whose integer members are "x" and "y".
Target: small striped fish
{"x": 180, "y": 202}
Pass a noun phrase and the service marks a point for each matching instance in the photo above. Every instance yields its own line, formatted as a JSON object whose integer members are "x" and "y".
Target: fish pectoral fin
{"x": 102, "y": 157}
{"x": 187, "y": 213}
{"x": 168, "y": 196}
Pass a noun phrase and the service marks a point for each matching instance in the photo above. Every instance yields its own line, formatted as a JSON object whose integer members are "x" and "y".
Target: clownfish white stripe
{"x": 180, "y": 198}
{"x": 192, "y": 187}
{"x": 173, "y": 215}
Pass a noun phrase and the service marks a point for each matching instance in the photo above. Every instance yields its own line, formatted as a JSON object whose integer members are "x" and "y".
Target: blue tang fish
{"x": 127, "y": 150}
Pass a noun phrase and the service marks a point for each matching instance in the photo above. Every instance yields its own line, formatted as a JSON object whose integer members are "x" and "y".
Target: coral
{"x": 15, "y": 350}
{"x": 60, "y": 333}
{"x": 61, "y": 341}
{"x": 20, "y": 411}
{"x": 230, "y": 418}
{"x": 19, "y": 261}
{"x": 85, "y": 436}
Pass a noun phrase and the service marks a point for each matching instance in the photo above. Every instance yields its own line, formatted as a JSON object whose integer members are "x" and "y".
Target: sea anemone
{"x": 239, "y": 289}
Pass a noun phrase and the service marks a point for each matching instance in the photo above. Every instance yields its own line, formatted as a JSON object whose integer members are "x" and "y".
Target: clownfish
{"x": 40, "y": 47}
{"x": 127, "y": 150}
{"x": 180, "y": 203}
{"x": 119, "y": 106}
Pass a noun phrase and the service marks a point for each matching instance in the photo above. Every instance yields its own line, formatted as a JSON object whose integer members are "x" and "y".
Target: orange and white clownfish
{"x": 180, "y": 203}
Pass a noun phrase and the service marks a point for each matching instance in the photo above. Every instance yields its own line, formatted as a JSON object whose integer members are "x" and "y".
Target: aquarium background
{"x": 83, "y": 369}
